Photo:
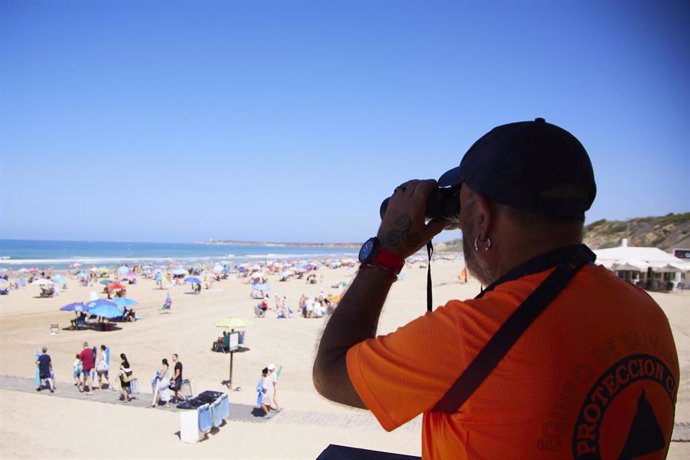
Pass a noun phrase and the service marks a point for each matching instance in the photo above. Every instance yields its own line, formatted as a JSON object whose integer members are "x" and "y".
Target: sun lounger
{"x": 133, "y": 387}
{"x": 186, "y": 388}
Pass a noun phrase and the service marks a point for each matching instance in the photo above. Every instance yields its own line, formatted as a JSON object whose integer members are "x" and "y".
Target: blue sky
{"x": 291, "y": 120}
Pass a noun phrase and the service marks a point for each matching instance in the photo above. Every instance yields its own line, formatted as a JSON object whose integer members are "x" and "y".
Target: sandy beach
{"x": 44, "y": 425}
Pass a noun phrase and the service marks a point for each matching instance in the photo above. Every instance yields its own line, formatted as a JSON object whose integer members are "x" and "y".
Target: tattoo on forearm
{"x": 401, "y": 233}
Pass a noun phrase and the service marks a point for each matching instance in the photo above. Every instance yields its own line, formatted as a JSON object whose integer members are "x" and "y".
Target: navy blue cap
{"x": 530, "y": 165}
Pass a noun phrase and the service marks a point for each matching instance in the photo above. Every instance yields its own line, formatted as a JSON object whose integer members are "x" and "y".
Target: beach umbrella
{"x": 98, "y": 302}
{"x": 261, "y": 287}
{"x": 192, "y": 279}
{"x": 105, "y": 282}
{"x": 123, "y": 270}
{"x": 234, "y": 323}
{"x": 218, "y": 268}
{"x": 75, "y": 265}
{"x": 3, "y": 281}
{"x": 75, "y": 306}
{"x": 42, "y": 282}
{"x": 59, "y": 279}
{"x": 106, "y": 311}
{"x": 115, "y": 286}
{"x": 124, "y": 302}
{"x": 179, "y": 271}
{"x": 82, "y": 275}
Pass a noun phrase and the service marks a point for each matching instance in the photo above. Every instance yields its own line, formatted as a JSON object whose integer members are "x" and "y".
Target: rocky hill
{"x": 666, "y": 233}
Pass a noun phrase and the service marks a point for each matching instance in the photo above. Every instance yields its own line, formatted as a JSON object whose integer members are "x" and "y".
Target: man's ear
{"x": 485, "y": 215}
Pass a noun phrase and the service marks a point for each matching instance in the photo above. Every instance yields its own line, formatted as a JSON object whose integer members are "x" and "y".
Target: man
{"x": 87, "y": 361}
{"x": 176, "y": 382}
{"x": 45, "y": 369}
{"x": 592, "y": 374}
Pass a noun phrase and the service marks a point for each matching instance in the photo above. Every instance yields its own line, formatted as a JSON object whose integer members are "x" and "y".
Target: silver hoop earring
{"x": 487, "y": 241}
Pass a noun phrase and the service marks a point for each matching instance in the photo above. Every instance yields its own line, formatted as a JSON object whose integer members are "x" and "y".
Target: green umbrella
{"x": 105, "y": 282}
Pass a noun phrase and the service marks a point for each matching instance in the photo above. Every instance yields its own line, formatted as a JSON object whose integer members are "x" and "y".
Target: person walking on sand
{"x": 76, "y": 371}
{"x": 45, "y": 370}
{"x": 126, "y": 375}
{"x": 103, "y": 367}
{"x": 161, "y": 385}
{"x": 87, "y": 361}
{"x": 263, "y": 399}
{"x": 273, "y": 386}
{"x": 176, "y": 380}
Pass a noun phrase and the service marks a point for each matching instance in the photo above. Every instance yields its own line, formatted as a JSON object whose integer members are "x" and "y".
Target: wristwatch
{"x": 373, "y": 255}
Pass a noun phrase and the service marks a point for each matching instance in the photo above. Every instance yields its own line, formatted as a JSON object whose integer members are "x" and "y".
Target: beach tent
{"x": 646, "y": 266}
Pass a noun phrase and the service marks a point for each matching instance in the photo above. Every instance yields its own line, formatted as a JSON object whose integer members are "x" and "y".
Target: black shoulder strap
{"x": 506, "y": 336}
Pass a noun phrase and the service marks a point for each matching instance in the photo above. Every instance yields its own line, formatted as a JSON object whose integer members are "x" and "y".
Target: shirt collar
{"x": 541, "y": 263}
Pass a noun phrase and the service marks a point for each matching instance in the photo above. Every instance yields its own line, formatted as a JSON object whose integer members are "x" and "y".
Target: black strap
{"x": 506, "y": 336}
{"x": 429, "y": 294}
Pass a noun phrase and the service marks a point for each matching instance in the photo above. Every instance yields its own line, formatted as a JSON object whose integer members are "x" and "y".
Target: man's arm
{"x": 403, "y": 232}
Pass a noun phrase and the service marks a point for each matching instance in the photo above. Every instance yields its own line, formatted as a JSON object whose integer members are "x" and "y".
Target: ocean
{"x": 16, "y": 254}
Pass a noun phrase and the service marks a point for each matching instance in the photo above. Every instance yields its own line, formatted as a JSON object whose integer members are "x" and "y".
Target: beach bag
{"x": 127, "y": 377}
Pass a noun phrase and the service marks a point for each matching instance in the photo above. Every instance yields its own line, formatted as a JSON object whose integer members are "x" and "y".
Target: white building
{"x": 650, "y": 268}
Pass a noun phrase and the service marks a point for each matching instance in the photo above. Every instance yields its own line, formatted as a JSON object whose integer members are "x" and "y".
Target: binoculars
{"x": 444, "y": 202}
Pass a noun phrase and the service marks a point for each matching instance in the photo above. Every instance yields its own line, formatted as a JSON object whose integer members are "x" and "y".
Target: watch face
{"x": 365, "y": 253}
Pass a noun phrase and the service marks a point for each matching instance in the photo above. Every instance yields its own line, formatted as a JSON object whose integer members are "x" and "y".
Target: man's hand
{"x": 403, "y": 230}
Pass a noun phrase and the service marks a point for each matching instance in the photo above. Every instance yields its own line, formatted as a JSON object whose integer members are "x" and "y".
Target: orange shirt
{"x": 595, "y": 376}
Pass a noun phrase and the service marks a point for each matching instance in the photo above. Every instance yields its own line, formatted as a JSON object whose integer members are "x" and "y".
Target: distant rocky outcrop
{"x": 666, "y": 233}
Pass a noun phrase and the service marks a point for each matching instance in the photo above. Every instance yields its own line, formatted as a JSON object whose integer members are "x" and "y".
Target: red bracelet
{"x": 391, "y": 272}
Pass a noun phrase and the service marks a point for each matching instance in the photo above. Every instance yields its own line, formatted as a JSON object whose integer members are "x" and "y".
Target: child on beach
{"x": 76, "y": 371}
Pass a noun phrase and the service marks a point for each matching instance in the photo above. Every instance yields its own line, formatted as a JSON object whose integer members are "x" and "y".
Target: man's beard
{"x": 476, "y": 266}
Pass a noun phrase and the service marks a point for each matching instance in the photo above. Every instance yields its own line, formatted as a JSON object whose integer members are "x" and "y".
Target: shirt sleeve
{"x": 402, "y": 374}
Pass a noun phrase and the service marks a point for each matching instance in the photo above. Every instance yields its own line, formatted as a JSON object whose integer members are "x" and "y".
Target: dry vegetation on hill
{"x": 666, "y": 233}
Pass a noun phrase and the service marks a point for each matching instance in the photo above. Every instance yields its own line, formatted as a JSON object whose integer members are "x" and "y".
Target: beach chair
{"x": 186, "y": 388}
{"x": 165, "y": 308}
{"x": 133, "y": 387}
{"x": 54, "y": 328}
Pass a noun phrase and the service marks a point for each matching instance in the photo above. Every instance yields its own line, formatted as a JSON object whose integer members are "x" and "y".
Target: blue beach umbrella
{"x": 99, "y": 302}
{"x": 261, "y": 287}
{"x": 59, "y": 279}
{"x": 75, "y": 306}
{"x": 106, "y": 310}
{"x": 124, "y": 302}
{"x": 192, "y": 279}
{"x": 123, "y": 270}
